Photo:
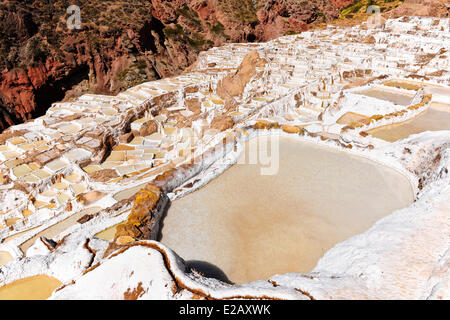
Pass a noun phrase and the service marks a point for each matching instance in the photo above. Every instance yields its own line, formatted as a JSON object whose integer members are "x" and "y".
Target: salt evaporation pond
{"x": 434, "y": 119}
{"x": 5, "y": 258}
{"x": 244, "y": 226}
{"x": 33, "y": 288}
{"x": 402, "y": 99}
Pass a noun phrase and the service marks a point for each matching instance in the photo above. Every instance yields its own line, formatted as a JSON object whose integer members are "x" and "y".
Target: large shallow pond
{"x": 33, "y": 288}
{"x": 244, "y": 226}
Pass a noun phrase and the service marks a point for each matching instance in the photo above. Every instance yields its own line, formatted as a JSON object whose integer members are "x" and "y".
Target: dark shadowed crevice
{"x": 7, "y": 116}
{"x": 55, "y": 91}
{"x": 208, "y": 270}
{"x": 251, "y": 37}
{"x": 146, "y": 38}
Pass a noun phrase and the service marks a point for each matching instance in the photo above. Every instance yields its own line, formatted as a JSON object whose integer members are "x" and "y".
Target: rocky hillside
{"x": 122, "y": 43}
{"x": 356, "y": 12}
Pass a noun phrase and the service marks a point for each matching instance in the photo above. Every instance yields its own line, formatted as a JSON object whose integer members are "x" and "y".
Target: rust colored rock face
{"x": 143, "y": 221}
{"x": 341, "y": 3}
{"x": 431, "y": 8}
{"x": 233, "y": 85}
{"x": 148, "y": 128}
{"x": 222, "y": 123}
{"x": 125, "y": 43}
{"x": 127, "y": 137}
{"x": 352, "y": 119}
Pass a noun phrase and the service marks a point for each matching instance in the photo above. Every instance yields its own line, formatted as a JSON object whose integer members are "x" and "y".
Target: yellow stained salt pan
{"x": 10, "y": 222}
{"x": 43, "y": 148}
{"x": 17, "y": 140}
{"x": 92, "y": 168}
{"x": 71, "y": 128}
{"x": 26, "y": 146}
{"x": 26, "y": 213}
{"x": 111, "y": 164}
{"x": 109, "y": 111}
{"x": 216, "y": 100}
{"x": 160, "y": 155}
{"x": 60, "y": 186}
{"x": 170, "y": 130}
{"x": 154, "y": 137}
{"x": 12, "y": 163}
{"x": 48, "y": 193}
{"x": 260, "y": 99}
{"x": 253, "y": 226}
{"x": 17, "y": 235}
{"x": 22, "y": 170}
{"x": 53, "y": 231}
{"x": 125, "y": 194}
{"x": 39, "y": 204}
{"x": 33, "y": 288}
{"x": 5, "y": 258}
{"x": 141, "y": 120}
{"x": 30, "y": 178}
{"x": 62, "y": 198}
{"x": 137, "y": 141}
{"x": 161, "y": 118}
{"x": 34, "y": 166}
{"x": 108, "y": 234}
{"x": 73, "y": 178}
{"x": 116, "y": 156}
{"x": 56, "y": 165}
{"x": 123, "y": 147}
{"x": 430, "y": 120}
{"x": 151, "y": 150}
{"x": 125, "y": 170}
{"x": 79, "y": 188}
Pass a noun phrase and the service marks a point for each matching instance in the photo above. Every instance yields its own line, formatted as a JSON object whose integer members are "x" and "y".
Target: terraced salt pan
{"x": 58, "y": 228}
{"x": 107, "y": 234}
{"x": 252, "y": 226}
{"x": 402, "y": 99}
{"x": 33, "y": 288}
{"x": 5, "y": 258}
{"x": 436, "y": 118}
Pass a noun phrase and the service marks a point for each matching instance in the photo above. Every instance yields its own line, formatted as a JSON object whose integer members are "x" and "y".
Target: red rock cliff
{"x": 124, "y": 43}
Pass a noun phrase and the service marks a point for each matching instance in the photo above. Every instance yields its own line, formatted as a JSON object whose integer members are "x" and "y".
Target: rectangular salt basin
{"x": 59, "y": 227}
{"x": 56, "y": 165}
{"x": 434, "y": 119}
{"x": 244, "y": 226}
{"x": 402, "y": 99}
